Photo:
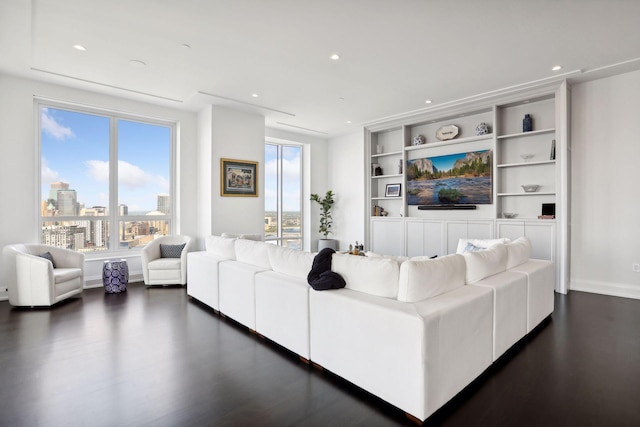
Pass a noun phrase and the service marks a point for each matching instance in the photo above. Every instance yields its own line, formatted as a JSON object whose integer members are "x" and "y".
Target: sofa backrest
{"x": 221, "y": 247}
{"x": 485, "y": 263}
{"x": 289, "y": 261}
{"x": 253, "y": 252}
{"x": 422, "y": 278}
{"x": 374, "y": 276}
{"x": 518, "y": 252}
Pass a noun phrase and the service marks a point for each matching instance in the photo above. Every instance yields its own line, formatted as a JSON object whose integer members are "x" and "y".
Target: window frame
{"x": 113, "y": 218}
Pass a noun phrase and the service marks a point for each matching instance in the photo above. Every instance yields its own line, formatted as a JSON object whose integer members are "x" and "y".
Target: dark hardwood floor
{"x": 152, "y": 357}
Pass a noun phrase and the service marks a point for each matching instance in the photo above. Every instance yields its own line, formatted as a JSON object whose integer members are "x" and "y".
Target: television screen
{"x": 454, "y": 179}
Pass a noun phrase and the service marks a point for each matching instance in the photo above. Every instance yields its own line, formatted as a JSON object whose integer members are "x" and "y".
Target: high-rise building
{"x": 123, "y": 210}
{"x": 53, "y": 191}
{"x": 164, "y": 203}
{"x": 67, "y": 203}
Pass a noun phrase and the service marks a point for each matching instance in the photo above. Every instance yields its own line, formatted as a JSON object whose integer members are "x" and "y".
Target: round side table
{"x": 115, "y": 276}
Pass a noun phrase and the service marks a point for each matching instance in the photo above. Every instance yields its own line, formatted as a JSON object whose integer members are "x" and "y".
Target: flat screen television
{"x": 454, "y": 179}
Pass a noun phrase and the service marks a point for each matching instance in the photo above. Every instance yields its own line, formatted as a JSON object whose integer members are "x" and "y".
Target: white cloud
{"x": 53, "y": 128}
{"x": 129, "y": 175}
{"x": 47, "y": 174}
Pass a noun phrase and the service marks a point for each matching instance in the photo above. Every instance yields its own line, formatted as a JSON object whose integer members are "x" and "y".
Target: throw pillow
{"x": 171, "y": 251}
{"x": 47, "y": 255}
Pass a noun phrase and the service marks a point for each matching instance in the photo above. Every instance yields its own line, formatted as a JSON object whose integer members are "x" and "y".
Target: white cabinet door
{"x": 455, "y": 231}
{"x": 424, "y": 238}
{"x": 510, "y": 230}
{"x": 479, "y": 230}
{"x": 542, "y": 237}
{"x": 387, "y": 236}
{"x": 541, "y": 234}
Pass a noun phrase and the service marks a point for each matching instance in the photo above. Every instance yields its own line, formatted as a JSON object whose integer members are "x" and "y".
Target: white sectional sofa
{"x": 413, "y": 332}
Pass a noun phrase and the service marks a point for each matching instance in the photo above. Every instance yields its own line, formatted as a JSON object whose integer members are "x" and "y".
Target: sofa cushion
{"x": 61, "y": 275}
{"x": 478, "y": 243}
{"x": 222, "y": 247}
{"x": 518, "y": 252}
{"x": 253, "y": 253}
{"x": 171, "y": 251}
{"x": 485, "y": 263}
{"x": 375, "y": 276}
{"x": 425, "y": 278}
{"x": 289, "y": 261}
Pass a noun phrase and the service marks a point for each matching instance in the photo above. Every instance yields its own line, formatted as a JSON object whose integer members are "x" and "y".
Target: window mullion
{"x": 114, "y": 226}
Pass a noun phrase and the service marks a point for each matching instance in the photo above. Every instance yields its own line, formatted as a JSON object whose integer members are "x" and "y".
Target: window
{"x": 283, "y": 202}
{"x": 105, "y": 181}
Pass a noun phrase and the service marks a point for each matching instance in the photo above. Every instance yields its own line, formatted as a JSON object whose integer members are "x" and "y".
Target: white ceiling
{"x": 394, "y": 54}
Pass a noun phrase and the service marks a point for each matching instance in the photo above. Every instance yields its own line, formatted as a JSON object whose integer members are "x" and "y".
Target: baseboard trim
{"x": 606, "y": 288}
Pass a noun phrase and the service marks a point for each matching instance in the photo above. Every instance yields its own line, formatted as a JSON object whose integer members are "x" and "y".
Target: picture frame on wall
{"x": 392, "y": 190}
{"x": 238, "y": 178}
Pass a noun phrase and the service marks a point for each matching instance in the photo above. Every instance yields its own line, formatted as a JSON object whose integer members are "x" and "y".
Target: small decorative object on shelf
{"x": 377, "y": 169}
{"x": 482, "y": 129}
{"x": 526, "y": 157}
{"x": 379, "y": 149}
{"x": 509, "y": 215}
{"x": 530, "y": 188}
{"x": 419, "y": 140}
{"x": 527, "y": 123}
{"x": 553, "y": 150}
{"x": 400, "y": 167}
{"x": 447, "y": 132}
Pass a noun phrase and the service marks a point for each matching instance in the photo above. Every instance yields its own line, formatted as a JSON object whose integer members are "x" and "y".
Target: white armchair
{"x": 35, "y": 281}
{"x": 164, "y": 262}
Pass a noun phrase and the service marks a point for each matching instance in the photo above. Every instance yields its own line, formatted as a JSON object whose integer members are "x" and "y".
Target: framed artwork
{"x": 392, "y": 190}
{"x": 238, "y": 178}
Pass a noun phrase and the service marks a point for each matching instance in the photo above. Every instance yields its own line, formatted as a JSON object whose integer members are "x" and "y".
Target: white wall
{"x": 314, "y": 169}
{"x": 18, "y": 157}
{"x": 605, "y": 198}
{"x": 347, "y": 180}
{"x": 240, "y": 136}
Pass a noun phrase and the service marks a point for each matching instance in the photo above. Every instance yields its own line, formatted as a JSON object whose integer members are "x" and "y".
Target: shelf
{"x": 391, "y": 153}
{"x": 449, "y": 142}
{"x": 536, "y": 193}
{"x": 532, "y": 133}
{"x": 396, "y": 175}
{"x": 512, "y": 165}
{"x": 387, "y": 198}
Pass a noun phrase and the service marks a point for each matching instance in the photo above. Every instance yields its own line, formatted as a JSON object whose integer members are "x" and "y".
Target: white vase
{"x": 327, "y": 243}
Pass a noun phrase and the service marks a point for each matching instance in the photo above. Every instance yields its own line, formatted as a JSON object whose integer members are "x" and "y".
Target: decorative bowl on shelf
{"x": 530, "y": 188}
{"x": 509, "y": 214}
{"x": 526, "y": 157}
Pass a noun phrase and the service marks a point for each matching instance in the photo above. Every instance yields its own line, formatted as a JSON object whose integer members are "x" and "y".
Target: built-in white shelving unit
{"x": 518, "y": 158}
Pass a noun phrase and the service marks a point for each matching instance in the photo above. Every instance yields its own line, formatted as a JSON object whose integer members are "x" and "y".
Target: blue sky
{"x": 291, "y": 170}
{"x": 75, "y": 150}
{"x": 445, "y": 163}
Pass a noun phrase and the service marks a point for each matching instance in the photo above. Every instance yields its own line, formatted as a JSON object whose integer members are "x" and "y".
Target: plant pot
{"x": 327, "y": 243}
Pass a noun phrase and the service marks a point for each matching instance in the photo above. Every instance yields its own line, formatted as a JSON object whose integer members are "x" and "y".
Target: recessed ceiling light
{"x": 335, "y": 57}
{"x": 255, "y": 95}
{"x": 136, "y": 63}
{"x": 185, "y": 46}
{"x": 428, "y": 101}
{"x": 557, "y": 67}
{"x": 341, "y": 99}
{"x": 349, "y": 121}
{"x": 79, "y": 47}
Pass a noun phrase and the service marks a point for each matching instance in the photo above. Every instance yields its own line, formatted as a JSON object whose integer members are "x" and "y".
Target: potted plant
{"x": 325, "y": 220}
